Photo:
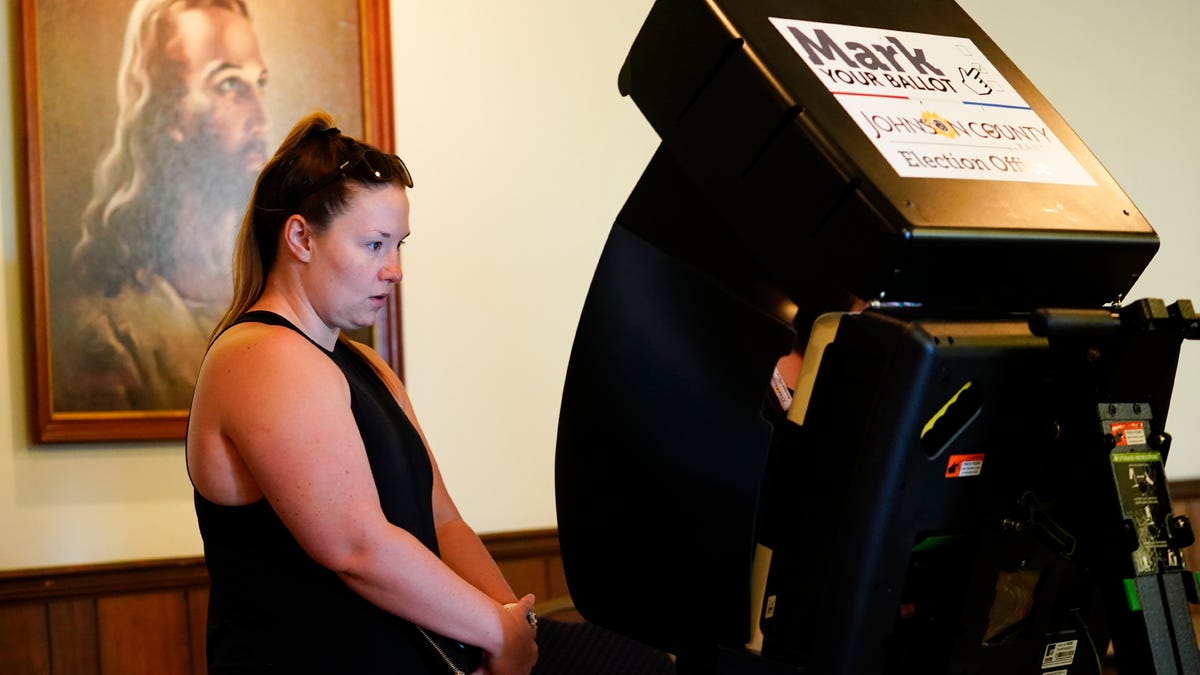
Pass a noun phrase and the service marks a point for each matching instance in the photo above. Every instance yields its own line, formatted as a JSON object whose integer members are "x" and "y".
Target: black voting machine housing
{"x": 1004, "y": 341}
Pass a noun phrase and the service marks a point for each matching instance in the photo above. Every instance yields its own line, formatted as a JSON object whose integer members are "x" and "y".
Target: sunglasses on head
{"x": 368, "y": 166}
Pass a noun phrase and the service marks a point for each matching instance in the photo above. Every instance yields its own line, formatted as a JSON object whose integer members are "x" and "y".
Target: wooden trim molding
{"x": 1185, "y": 490}
{"x": 148, "y": 616}
{"x": 52, "y": 583}
{"x": 510, "y": 549}
{"x": 522, "y": 544}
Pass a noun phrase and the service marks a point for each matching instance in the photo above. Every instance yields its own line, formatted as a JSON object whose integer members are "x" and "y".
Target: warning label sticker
{"x": 1128, "y": 433}
{"x": 1059, "y": 654}
{"x": 964, "y": 466}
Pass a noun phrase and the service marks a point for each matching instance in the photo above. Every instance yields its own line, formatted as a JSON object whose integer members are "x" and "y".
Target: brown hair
{"x": 294, "y": 182}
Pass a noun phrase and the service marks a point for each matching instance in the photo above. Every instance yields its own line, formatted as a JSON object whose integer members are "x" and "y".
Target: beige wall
{"x": 1122, "y": 74}
{"x": 523, "y": 152}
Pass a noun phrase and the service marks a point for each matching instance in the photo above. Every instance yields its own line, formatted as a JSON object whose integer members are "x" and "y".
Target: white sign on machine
{"x": 933, "y": 105}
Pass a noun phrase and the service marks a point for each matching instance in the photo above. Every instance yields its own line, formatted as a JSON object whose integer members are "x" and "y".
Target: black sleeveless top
{"x": 272, "y": 609}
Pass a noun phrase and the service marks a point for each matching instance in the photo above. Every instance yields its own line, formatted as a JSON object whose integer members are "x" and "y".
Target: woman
{"x": 328, "y": 532}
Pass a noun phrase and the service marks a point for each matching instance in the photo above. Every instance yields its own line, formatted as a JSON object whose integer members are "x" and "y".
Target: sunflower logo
{"x": 939, "y": 124}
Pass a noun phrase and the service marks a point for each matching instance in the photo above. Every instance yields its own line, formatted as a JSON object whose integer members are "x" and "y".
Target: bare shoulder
{"x": 252, "y": 341}
{"x": 260, "y": 389}
{"x": 266, "y": 363}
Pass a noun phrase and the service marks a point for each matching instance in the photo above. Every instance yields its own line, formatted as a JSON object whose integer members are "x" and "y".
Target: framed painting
{"x": 145, "y": 123}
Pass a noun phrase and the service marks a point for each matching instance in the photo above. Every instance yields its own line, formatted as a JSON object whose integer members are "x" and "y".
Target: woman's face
{"x": 356, "y": 261}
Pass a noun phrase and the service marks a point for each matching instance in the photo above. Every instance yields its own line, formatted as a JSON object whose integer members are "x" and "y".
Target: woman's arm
{"x": 460, "y": 546}
{"x": 286, "y": 409}
{"x": 465, "y": 553}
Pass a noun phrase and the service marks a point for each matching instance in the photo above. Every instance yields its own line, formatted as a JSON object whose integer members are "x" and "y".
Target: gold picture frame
{"x": 333, "y": 56}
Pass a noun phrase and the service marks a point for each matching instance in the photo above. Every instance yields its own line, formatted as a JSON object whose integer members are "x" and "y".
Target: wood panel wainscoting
{"x": 147, "y": 617}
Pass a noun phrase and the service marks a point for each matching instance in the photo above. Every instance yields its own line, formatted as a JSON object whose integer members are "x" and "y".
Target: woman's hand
{"x": 519, "y": 652}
